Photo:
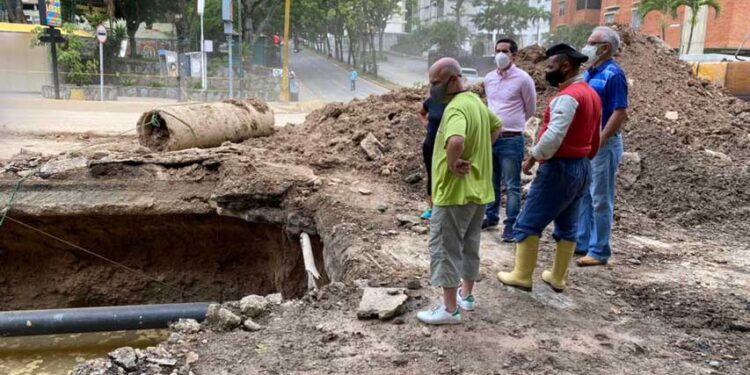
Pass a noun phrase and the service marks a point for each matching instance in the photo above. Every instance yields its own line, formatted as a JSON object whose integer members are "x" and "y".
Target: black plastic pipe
{"x": 97, "y": 319}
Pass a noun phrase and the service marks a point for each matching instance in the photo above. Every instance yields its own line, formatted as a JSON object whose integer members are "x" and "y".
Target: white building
{"x": 397, "y": 22}
{"x": 535, "y": 33}
{"x": 429, "y": 11}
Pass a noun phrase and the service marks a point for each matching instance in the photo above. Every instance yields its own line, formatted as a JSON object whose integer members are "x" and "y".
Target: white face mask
{"x": 502, "y": 60}
{"x": 590, "y": 51}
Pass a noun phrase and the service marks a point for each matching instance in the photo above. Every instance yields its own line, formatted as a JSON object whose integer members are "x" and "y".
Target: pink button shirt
{"x": 511, "y": 95}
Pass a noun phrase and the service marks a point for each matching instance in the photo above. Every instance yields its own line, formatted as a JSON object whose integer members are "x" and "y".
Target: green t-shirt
{"x": 466, "y": 116}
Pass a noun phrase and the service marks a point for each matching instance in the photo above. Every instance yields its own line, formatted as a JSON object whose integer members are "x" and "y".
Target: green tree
{"x": 505, "y": 17}
{"x": 15, "y": 11}
{"x": 537, "y": 15}
{"x": 447, "y": 34}
{"x": 135, "y": 12}
{"x": 575, "y": 36}
{"x": 663, "y": 7}
{"x": 694, "y": 6}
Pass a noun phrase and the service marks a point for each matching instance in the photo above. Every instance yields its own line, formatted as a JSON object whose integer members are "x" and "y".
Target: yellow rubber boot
{"x": 526, "y": 254}
{"x": 556, "y": 277}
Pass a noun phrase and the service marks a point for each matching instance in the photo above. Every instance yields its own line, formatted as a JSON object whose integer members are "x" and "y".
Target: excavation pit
{"x": 201, "y": 257}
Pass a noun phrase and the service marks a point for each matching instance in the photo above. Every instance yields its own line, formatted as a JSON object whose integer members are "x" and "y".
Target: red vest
{"x": 582, "y": 139}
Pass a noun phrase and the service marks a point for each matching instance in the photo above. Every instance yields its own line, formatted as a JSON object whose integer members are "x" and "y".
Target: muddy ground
{"x": 675, "y": 298}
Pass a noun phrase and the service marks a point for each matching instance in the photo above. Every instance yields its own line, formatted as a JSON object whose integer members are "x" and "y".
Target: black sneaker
{"x": 486, "y": 224}
{"x": 508, "y": 234}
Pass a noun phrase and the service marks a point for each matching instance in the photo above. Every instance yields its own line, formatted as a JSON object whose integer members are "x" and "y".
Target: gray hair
{"x": 610, "y": 36}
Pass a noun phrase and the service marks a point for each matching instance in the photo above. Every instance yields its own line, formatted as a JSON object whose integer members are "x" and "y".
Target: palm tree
{"x": 663, "y": 7}
{"x": 536, "y": 16}
{"x": 695, "y": 6}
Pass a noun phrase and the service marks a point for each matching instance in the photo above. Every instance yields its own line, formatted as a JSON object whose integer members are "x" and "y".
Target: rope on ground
{"x": 92, "y": 253}
{"x": 9, "y": 205}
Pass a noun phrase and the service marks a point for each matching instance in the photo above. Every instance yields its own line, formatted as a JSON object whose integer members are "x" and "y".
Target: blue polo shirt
{"x": 608, "y": 80}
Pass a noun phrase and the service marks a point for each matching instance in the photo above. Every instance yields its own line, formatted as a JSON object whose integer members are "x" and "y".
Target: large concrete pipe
{"x": 97, "y": 319}
{"x": 204, "y": 125}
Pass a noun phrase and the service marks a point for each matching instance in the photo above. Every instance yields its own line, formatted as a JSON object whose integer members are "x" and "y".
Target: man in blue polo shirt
{"x": 597, "y": 209}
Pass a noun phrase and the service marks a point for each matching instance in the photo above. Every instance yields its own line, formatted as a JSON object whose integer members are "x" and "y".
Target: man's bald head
{"x": 443, "y": 69}
{"x": 445, "y": 79}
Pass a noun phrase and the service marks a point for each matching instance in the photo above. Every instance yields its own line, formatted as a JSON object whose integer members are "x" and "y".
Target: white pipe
{"x": 309, "y": 259}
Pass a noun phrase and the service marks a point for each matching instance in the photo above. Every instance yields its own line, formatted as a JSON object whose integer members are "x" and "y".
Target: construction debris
{"x": 382, "y": 303}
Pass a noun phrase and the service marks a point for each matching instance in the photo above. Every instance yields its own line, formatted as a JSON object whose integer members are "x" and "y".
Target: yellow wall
{"x": 22, "y": 67}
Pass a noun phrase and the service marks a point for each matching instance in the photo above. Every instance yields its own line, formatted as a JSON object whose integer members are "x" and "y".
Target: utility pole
{"x": 201, "y": 6}
{"x": 242, "y": 54}
{"x": 227, "y": 15}
{"x": 285, "y": 76}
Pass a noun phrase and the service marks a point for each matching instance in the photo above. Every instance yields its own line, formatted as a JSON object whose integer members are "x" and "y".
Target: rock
{"x": 380, "y": 303}
{"x": 385, "y": 172}
{"x": 426, "y": 332}
{"x": 717, "y": 154}
{"x": 672, "y": 115}
{"x": 414, "y": 284}
{"x": 630, "y": 169}
{"x": 274, "y": 299}
{"x": 186, "y": 326}
{"x": 125, "y": 358}
{"x": 714, "y": 363}
{"x": 58, "y": 167}
{"x": 365, "y": 191}
{"x": 253, "y": 305}
{"x": 99, "y": 366}
{"x": 634, "y": 261}
{"x": 372, "y": 147}
{"x": 168, "y": 362}
{"x": 251, "y": 326}
{"x": 739, "y": 326}
{"x": 400, "y": 361}
{"x": 382, "y": 208}
{"x": 413, "y": 178}
{"x": 420, "y": 229}
{"x": 222, "y": 319}
{"x": 99, "y": 155}
{"x": 399, "y": 320}
{"x": 191, "y": 358}
{"x": 407, "y": 220}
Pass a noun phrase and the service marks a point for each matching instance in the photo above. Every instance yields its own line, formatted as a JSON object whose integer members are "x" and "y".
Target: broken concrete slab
{"x": 57, "y": 168}
{"x": 222, "y": 319}
{"x": 372, "y": 147}
{"x": 382, "y": 303}
{"x": 253, "y": 305}
{"x": 124, "y": 357}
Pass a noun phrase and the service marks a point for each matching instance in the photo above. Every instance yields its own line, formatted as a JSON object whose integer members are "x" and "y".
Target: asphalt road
{"x": 323, "y": 80}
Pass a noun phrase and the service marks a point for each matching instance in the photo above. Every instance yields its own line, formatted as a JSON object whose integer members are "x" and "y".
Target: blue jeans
{"x": 595, "y": 224}
{"x": 555, "y": 195}
{"x": 507, "y": 157}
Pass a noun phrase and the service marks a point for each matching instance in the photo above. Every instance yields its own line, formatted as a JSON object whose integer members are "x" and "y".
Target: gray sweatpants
{"x": 454, "y": 244}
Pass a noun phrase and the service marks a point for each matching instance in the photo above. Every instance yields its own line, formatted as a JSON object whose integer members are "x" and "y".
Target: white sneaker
{"x": 437, "y": 315}
{"x": 465, "y": 303}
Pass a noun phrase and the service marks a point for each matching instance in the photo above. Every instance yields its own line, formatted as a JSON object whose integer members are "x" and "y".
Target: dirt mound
{"x": 691, "y": 137}
{"x": 380, "y": 134}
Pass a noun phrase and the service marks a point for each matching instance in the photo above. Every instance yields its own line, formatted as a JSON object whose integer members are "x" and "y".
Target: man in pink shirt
{"x": 511, "y": 95}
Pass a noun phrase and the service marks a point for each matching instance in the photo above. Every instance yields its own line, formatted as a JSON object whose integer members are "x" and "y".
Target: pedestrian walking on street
{"x": 568, "y": 139}
{"x": 511, "y": 95}
{"x": 461, "y": 187}
{"x": 430, "y": 115}
{"x": 353, "y": 79}
{"x": 608, "y": 79}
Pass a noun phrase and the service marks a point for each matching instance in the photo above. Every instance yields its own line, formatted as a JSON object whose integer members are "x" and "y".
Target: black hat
{"x": 567, "y": 50}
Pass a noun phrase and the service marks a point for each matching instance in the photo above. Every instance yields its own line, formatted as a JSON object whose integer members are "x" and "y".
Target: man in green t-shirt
{"x": 461, "y": 187}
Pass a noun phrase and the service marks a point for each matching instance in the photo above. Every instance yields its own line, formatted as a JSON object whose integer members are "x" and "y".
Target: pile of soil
{"x": 336, "y": 136}
{"x": 693, "y": 168}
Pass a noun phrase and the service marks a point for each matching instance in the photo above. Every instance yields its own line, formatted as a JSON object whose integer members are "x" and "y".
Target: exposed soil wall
{"x": 209, "y": 257}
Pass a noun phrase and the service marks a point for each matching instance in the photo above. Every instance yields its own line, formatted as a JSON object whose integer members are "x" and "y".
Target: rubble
{"x": 186, "y": 326}
{"x": 382, "y": 303}
{"x": 253, "y": 305}
{"x": 222, "y": 319}
{"x": 124, "y": 357}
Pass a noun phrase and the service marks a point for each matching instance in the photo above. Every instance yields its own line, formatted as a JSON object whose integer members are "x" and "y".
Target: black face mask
{"x": 555, "y": 78}
{"x": 439, "y": 93}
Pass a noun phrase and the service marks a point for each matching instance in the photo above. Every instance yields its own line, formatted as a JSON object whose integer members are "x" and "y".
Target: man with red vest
{"x": 568, "y": 140}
